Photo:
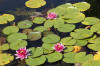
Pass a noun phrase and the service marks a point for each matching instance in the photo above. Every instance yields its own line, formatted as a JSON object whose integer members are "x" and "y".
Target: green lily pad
{"x": 32, "y": 36}
{"x": 81, "y": 42}
{"x": 91, "y": 21}
{"x": 38, "y": 52}
{"x": 36, "y": 61}
{"x": 39, "y": 20}
{"x": 5, "y": 58}
{"x": 40, "y": 28}
{"x": 25, "y": 24}
{"x": 81, "y": 33}
{"x": 4, "y": 47}
{"x": 48, "y": 23}
{"x": 35, "y": 3}
{"x": 48, "y": 46}
{"x": 18, "y": 44}
{"x": 69, "y": 57}
{"x": 96, "y": 28}
{"x": 53, "y": 57}
{"x": 68, "y": 48}
{"x": 82, "y": 6}
{"x": 16, "y": 36}
{"x": 52, "y": 38}
{"x": 78, "y": 18}
{"x": 45, "y": 51}
{"x": 68, "y": 41}
{"x": 95, "y": 46}
{"x": 66, "y": 28}
{"x": 10, "y": 29}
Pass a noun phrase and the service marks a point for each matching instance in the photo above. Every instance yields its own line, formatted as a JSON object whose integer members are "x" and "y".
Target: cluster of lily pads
{"x": 66, "y": 19}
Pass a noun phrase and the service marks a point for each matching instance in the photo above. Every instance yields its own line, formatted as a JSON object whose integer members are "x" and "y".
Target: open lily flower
{"x": 22, "y": 53}
{"x": 52, "y": 15}
{"x": 59, "y": 47}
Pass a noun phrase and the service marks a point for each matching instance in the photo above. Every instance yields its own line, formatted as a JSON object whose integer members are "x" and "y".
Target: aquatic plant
{"x": 35, "y": 3}
{"x": 5, "y": 58}
{"x": 64, "y": 33}
{"x": 59, "y": 47}
{"x": 22, "y": 53}
{"x": 5, "y": 18}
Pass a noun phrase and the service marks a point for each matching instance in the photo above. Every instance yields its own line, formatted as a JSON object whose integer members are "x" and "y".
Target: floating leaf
{"x": 82, "y": 6}
{"x": 79, "y": 17}
{"x": 45, "y": 51}
{"x": 52, "y": 38}
{"x": 91, "y": 21}
{"x": 71, "y": 12}
{"x": 39, "y": 20}
{"x": 48, "y": 23}
{"x": 35, "y": 3}
{"x": 27, "y": 31}
{"x": 69, "y": 57}
{"x": 53, "y": 57}
{"x": 38, "y": 52}
{"x": 95, "y": 47}
{"x": 81, "y": 33}
{"x": 16, "y": 36}
{"x": 4, "y": 47}
{"x": 18, "y": 44}
{"x": 68, "y": 41}
{"x": 40, "y": 28}
{"x": 10, "y": 29}
{"x": 68, "y": 48}
{"x": 81, "y": 42}
{"x": 5, "y": 18}
{"x": 96, "y": 28}
{"x": 5, "y": 58}
{"x": 32, "y": 36}
{"x": 48, "y": 46}
{"x": 25, "y": 24}
{"x": 66, "y": 28}
{"x": 35, "y": 61}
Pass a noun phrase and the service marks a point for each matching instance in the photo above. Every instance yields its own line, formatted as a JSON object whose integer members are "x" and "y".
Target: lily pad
{"x": 66, "y": 28}
{"x": 35, "y": 3}
{"x": 25, "y": 24}
{"x": 32, "y": 36}
{"x": 81, "y": 33}
{"x": 52, "y": 38}
{"x": 5, "y": 58}
{"x": 48, "y": 46}
{"x": 69, "y": 57}
{"x": 68, "y": 41}
{"x": 4, "y": 47}
{"x": 16, "y": 36}
{"x": 53, "y": 57}
{"x": 82, "y": 6}
{"x": 10, "y": 29}
{"x": 18, "y": 44}
{"x": 81, "y": 42}
{"x": 38, "y": 52}
{"x": 38, "y": 20}
{"x": 96, "y": 28}
{"x": 91, "y": 21}
{"x": 40, "y": 28}
{"x": 36, "y": 61}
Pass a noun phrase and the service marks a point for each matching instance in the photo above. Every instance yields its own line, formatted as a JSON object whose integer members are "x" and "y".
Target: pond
{"x": 49, "y": 33}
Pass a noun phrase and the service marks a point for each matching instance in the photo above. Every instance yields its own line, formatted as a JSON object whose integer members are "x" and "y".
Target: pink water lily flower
{"x": 52, "y": 15}
{"x": 59, "y": 47}
{"x": 22, "y": 53}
